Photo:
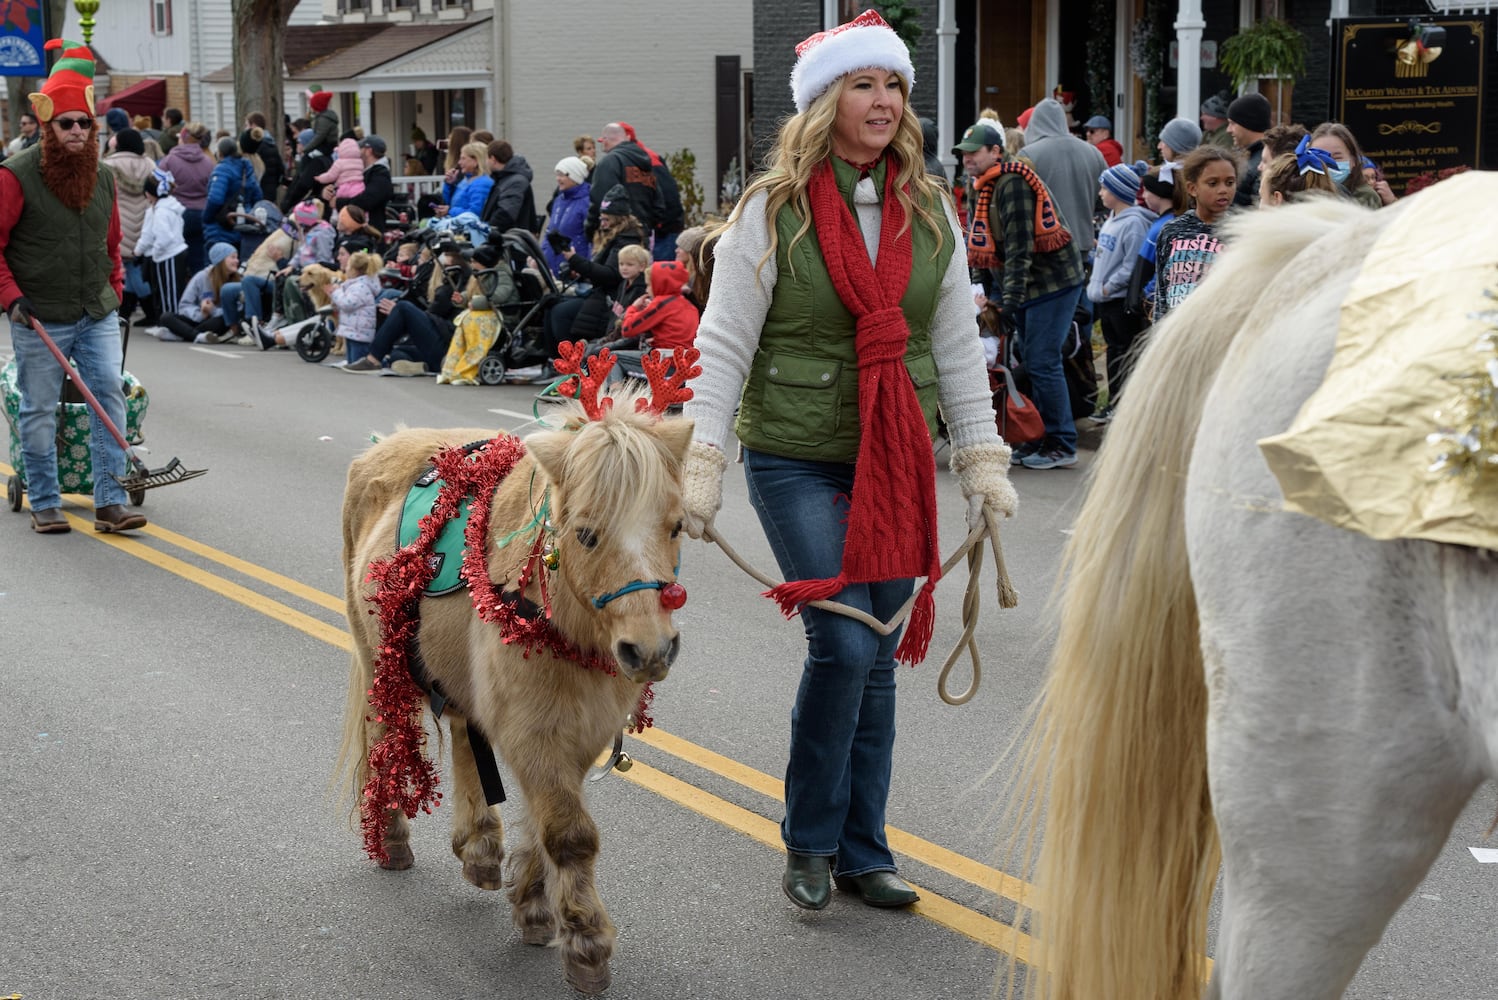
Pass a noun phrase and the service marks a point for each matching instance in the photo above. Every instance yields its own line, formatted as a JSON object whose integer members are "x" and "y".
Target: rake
{"x": 138, "y": 477}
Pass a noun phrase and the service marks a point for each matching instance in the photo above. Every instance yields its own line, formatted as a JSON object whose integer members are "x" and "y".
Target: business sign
{"x": 21, "y": 38}
{"x": 1208, "y": 54}
{"x": 1412, "y": 92}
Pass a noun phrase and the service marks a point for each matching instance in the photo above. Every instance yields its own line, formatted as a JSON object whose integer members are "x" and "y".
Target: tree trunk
{"x": 259, "y": 60}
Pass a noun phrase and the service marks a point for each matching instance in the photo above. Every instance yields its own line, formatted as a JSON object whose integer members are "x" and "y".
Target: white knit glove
{"x": 983, "y": 473}
{"x": 702, "y": 486}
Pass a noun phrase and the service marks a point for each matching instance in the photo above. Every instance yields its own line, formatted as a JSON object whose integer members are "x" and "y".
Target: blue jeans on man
{"x": 95, "y": 346}
{"x": 1042, "y": 325}
{"x": 843, "y": 723}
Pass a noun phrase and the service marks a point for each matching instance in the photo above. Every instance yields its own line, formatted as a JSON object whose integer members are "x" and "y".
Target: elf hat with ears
{"x": 70, "y": 87}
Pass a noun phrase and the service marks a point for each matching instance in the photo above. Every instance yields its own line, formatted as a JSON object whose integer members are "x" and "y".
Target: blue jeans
{"x": 1042, "y": 326}
{"x": 253, "y": 291}
{"x": 95, "y": 346}
{"x": 843, "y": 723}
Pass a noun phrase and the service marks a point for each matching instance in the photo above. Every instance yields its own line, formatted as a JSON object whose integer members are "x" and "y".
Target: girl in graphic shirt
{"x": 1188, "y": 245}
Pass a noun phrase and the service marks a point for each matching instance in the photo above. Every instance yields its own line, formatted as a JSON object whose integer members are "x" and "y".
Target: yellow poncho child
{"x": 474, "y": 332}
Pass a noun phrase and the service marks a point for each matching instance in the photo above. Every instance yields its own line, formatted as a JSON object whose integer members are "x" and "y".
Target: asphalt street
{"x": 170, "y": 707}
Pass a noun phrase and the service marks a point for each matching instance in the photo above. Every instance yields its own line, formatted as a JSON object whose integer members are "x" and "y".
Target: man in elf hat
{"x": 60, "y": 265}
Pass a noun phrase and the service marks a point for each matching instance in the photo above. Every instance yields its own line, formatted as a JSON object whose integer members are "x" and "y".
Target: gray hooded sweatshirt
{"x": 1069, "y": 166}
{"x": 1118, "y": 244}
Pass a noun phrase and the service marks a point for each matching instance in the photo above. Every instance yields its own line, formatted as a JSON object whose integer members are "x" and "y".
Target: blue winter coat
{"x": 569, "y": 216}
{"x": 468, "y": 195}
{"x": 232, "y": 183}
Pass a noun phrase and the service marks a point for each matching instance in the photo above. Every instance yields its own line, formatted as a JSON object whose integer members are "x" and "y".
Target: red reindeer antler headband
{"x": 667, "y": 376}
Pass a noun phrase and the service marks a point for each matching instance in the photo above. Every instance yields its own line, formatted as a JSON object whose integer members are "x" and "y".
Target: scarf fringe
{"x": 916, "y": 641}
{"x": 794, "y": 593}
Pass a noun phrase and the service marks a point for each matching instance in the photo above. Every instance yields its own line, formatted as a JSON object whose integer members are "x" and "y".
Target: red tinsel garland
{"x": 401, "y": 776}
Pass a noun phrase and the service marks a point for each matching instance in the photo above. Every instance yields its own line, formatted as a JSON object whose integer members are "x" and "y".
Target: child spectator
{"x": 1118, "y": 244}
{"x": 1188, "y": 245}
{"x": 347, "y": 172}
{"x": 355, "y": 300}
{"x": 1290, "y": 176}
{"x": 1168, "y": 199}
{"x": 317, "y": 235}
{"x": 199, "y": 316}
{"x": 665, "y": 318}
{"x": 474, "y": 331}
{"x": 270, "y": 261}
{"x": 162, "y": 242}
{"x": 634, "y": 264}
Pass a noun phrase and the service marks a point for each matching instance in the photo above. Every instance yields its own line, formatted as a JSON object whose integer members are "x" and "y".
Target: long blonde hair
{"x": 805, "y": 142}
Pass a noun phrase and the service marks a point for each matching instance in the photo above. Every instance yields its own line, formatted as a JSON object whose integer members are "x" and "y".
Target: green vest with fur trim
{"x": 59, "y": 257}
{"x": 801, "y": 397}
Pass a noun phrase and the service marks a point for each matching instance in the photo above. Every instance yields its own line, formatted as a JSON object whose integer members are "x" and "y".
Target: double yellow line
{"x": 964, "y": 920}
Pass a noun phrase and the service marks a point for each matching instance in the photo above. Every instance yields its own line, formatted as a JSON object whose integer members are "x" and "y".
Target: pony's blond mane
{"x": 617, "y": 472}
{"x": 1114, "y": 768}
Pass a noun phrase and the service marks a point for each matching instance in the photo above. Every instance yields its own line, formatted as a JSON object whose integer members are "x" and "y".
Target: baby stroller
{"x": 522, "y": 342}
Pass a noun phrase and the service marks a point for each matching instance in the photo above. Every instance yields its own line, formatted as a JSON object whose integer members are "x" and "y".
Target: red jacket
{"x": 667, "y": 319}
{"x": 1112, "y": 151}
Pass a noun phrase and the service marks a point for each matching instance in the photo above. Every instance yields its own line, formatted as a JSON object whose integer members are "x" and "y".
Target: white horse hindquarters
{"x": 1333, "y": 715}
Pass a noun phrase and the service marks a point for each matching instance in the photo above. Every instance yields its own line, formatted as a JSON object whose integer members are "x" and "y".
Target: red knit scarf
{"x": 1050, "y": 234}
{"x": 891, "y": 530}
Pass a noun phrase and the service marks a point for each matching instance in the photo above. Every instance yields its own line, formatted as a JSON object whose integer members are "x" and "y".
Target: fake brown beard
{"x": 70, "y": 176}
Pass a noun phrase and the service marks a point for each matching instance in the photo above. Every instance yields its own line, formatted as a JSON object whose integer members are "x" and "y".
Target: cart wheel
{"x": 491, "y": 370}
{"x": 13, "y": 492}
{"x": 137, "y": 497}
{"x": 314, "y": 343}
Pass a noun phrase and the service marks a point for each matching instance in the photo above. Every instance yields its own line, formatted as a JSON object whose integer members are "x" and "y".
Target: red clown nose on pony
{"x": 523, "y": 590}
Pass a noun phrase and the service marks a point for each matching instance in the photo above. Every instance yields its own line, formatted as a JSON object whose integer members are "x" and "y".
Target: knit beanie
{"x": 219, "y": 252}
{"x": 129, "y": 141}
{"x": 116, "y": 119}
{"x": 1250, "y": 111}
{"x": 304, "y": 138}
{"x": 307, "y": 214}
{"x": 572, "y": 167}
{"x": 319, "y": 101}
{"x": 1181, "y": 135}
{"x": 70, "y": 87}
{"x": 1121, "y": 181}
{"x": 866, "y": 42}
{"x": 1214, "y": 107}
{"x": 616, "y": 201}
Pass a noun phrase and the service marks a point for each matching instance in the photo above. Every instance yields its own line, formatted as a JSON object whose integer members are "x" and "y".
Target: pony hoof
{"x": 398, "y": 857}
{"x": 485, "y": 876}
{"x": 537, "y": 934}
{"x": 590, "y": 981}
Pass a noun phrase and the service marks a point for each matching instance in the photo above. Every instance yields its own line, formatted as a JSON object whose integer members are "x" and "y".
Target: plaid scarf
{"x": 1050, "y": 234}
{"x": 892, "y": 513}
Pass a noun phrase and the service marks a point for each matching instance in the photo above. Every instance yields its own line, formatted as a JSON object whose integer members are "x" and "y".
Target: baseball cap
{"x": 373, "y": 142}
{"x": 977, "y": 136}
{"x": 1099, "y": 121}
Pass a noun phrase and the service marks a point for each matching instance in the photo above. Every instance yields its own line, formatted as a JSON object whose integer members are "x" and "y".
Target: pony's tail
{"x": 1112, "y": 782}
{"x": 353, "y": 750}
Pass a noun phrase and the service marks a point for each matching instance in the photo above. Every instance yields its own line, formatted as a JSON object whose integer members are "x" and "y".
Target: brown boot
{"x": 115, "y": 517}
{"x": 49, "y": 522}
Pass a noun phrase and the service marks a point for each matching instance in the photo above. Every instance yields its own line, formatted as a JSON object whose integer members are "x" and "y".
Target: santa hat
{"x": 70, "y": 87}
{"x": 866, "y": 42}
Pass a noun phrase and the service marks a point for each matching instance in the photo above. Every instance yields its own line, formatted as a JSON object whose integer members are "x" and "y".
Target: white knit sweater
{"x": 730, "y": 329}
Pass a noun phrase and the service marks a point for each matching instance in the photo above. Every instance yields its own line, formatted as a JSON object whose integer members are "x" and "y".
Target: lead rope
{"x": 972, "y": 548}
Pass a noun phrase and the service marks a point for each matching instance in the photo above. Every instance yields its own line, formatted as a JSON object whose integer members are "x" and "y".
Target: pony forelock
{"x": 618, "y": 471}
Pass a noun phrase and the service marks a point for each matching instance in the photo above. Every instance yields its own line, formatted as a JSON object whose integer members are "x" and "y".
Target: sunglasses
{"x": 68, "y": 124}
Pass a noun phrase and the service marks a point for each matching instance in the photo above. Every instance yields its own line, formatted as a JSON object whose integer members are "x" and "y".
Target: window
{"x": 161, "y": 17}
{"x": 354, "y": 6}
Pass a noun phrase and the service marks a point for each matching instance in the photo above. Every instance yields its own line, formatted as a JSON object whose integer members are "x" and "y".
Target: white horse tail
{"x": 1112, "y": 781}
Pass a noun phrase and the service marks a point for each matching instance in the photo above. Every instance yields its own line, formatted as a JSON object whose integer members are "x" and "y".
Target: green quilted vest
{"x": 801, "y": 397}
{"x": 60, "y": 258}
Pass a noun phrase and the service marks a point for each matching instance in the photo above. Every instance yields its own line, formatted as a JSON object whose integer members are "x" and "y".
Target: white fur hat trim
{"x": 866, "y": 42}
